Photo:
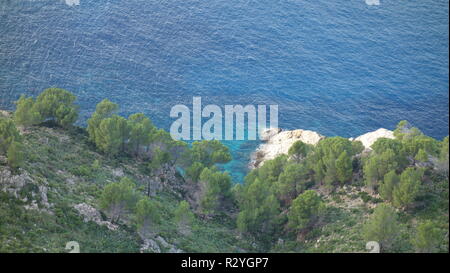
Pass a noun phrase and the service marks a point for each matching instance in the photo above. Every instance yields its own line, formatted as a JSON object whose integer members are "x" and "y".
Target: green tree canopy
{"x": 305, "y": 210}
{"x": 344, "y": 167}
{"x": 141, "y": 129}
{"x": 378, "y": 165}
{"x": 210, "y": 152}
{"x": 271, "y": 169}
{"x": 104, "y": 109}
{"x": 291, "y": 182}
{"x": 117, "y": 198}
{"x": 408, "y": 188}
{"x": 421, "y": 156}
{"x": 8, "y": 134}
{"x": 16, "y": 155}
{"x": 57, "y": 104}
{"x": 443, "y": 157}
{"x": 215, "y": 190}
{"x": 159, "y": 158}
{"x": 112, "y": 134}
{"x": 405, "y": 130}
{"x": 184, "y": 217}
{"x": 26, "y": 113}
{"x": 382, "y": 227}
{"x": 387, "y": 187}
{"x": 357, "y": 147}
{"x": 193, "y": 172}
{"x": 147, "y": 215}
{"x": 428, "y": 237}
{"x": 259, "y": 209}
{"x": 323, "y": 160}
{"x": 299, "y": 150}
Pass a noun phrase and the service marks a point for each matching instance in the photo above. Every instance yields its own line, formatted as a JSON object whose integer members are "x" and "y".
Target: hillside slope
{"x": 53, "y": 200}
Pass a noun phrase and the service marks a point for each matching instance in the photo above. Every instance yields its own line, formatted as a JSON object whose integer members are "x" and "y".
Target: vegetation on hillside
{"x": 148, "y": 188}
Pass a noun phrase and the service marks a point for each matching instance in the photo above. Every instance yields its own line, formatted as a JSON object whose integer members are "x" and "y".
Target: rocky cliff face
{"x": 369, "y": 138}
{"x": 277, "y": 142}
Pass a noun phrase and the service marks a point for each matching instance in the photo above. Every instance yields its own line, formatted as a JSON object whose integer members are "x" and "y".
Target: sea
{"x": 341, "y": 67}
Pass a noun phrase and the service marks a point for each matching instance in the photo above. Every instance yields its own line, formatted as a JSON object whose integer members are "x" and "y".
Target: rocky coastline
{"x": 277, "y": 141}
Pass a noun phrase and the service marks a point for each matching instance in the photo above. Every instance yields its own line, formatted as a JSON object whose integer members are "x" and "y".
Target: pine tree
{"x": 16, "y": 155}
{"x": 26, "y": 113}
{"x": 370, "y": 169}
{"x": 408, "y": 188}
{"x": 184, "y": 217}
{"x": 194, "y": 171}
{"x": 117, "y": 198}
{"x": 291, "y": 182}
{"x": 344, "y": 168}
{"x": 323, "y": 159}
{"x": 259, "y": 210}
{"x": 58, "y": 105}
{"x": 428, "y": 237}
{"x": 387, "y": 187}
{"x": 377, "y": 166}
{"x": 210, "y": 152}
{"x": 112, "y": 134}
{"x": 104, "y": 109}
{"x": 443, "y": 157}
{"x": 382, "y": 227}
{"x": 215, "y": 190}
{"x": 8, "y": 135}
{"x": 421, "y": 156}
{"x": 147, "y": 216}
{"x": 141, "y": 129}
{"x": 298, "y": 151}
{"x": 305, "y": 210}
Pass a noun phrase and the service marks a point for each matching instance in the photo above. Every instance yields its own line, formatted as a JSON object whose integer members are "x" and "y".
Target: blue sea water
{"x": 337, "y": 67}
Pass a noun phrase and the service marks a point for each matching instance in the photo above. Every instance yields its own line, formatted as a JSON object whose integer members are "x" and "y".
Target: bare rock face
{"x": 90, "y": 213}
{"x": 150, "y": 245}
{"x": 5, "y": 114}
{"x": 369, "y": 138}
{"x": 24, "y": 187}
{"x": 118, "y": 172}
{"x": 157, "y": 245}
{"x": 277, "y": 142}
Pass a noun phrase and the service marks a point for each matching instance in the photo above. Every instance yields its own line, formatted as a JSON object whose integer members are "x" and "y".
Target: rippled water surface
{"x": 338, "y": 67}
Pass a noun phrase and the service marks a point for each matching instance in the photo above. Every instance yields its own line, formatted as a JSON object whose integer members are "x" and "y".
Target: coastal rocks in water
{"x": 369, "y": 138}
{"x": 90, "y": 213}
{"x": 277, "y": 142}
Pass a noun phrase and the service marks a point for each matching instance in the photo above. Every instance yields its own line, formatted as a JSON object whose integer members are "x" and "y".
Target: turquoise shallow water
{"x": 337, "y": 67}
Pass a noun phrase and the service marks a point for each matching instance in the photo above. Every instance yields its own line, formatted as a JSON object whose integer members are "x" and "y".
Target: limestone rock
{"x": 277, "y": 142}
{"x": 369, "y": 138}
{"x": 90, "y": 213}
{"x": 150, "y": 245}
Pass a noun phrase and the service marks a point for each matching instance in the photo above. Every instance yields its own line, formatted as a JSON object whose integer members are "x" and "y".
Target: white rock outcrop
{"x": 277, "y": 142}
{"x": 90, "y": 213}
{"x": 157, "y": 245}
{"x": 369, "y": 138}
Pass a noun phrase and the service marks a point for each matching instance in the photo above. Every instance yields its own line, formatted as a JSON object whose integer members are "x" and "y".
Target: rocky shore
{"x": 277, "y": 141}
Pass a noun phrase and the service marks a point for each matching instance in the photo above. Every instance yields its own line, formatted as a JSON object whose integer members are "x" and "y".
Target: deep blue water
{"x": 337, "y": 67}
